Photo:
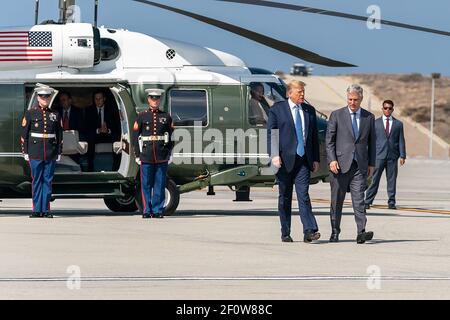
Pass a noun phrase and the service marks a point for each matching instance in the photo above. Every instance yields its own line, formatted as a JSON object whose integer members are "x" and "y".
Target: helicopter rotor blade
{"x": 294, "y": 7}
{"x": 257, "y": 37}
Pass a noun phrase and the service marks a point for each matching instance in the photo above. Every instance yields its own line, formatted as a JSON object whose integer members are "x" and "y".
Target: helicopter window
{"x": 258, "y": 107}
{"x": 109, "y": 49}
{"x": 188, "y": 107}
{"x": 273, "y": 93}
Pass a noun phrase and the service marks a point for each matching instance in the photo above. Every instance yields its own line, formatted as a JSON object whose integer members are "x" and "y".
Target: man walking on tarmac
{"x": 152, "y": 144}
{"x": 41, "y": 143}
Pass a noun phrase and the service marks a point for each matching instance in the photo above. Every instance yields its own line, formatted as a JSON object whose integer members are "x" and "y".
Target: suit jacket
{"x": 76, "y": 119}
{"x": 112, "y": 122}
{"x": 284, "y": 143}
{"x": 341, "y": 144}
{"x": 393, "y": 146}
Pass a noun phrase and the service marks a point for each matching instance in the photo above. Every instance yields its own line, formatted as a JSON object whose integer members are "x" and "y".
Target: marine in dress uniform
{"x": 153, "y": 146}
{"x": 41, "y": 143}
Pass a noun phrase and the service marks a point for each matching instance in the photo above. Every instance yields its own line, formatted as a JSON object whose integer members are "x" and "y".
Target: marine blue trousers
{"x": 42, "y": 173}
{"x": 153, "y": 185}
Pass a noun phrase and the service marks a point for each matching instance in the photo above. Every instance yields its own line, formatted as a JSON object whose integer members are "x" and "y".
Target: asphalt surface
{"x": 214, "y": 248}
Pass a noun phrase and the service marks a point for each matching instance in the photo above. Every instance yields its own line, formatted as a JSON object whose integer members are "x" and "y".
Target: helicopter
{"x": 207, "y": 93}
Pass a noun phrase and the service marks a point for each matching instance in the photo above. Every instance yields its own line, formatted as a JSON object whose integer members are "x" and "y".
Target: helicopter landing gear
{"x": 172, "y": 198}
{"x": 124, "y": 204}
{"x": 243, "y": 194}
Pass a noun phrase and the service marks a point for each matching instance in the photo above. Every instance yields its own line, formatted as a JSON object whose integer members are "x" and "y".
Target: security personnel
{"x": 41, "y": 142}
{"x": 153, "y": 145}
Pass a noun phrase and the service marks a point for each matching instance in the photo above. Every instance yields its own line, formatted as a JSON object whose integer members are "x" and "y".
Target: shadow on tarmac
{"x": 199, "y": 213}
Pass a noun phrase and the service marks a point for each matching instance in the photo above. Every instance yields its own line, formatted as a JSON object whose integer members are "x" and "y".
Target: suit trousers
{"x": 153, "y": 185}
{"x": 299, "y": 177}
{"x": 391, "y": 167}
{"x": 356, "y": 181}
{"x": 42, "y": 172}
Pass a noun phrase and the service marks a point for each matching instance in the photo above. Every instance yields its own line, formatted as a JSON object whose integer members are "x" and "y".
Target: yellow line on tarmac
{"x": 437, "y": 211}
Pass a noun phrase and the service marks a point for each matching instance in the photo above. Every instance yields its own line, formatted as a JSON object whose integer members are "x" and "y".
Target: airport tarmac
{"x": 214, "y": 248}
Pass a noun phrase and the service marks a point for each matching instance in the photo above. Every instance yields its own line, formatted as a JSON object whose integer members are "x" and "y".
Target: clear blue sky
{"x": 389, "y": 50}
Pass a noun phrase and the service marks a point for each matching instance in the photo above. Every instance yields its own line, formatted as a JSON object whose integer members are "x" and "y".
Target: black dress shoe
{"x": 159, "y": 216}
{"x": 36, "y": 215}
{"x": 48, "y": 215}
{"x": 334, "y": 237}
{"x": 147, "y": 216}
{"x": 287, "y": 239}
{"x": 310, "y": 236}
{"x": 367, "y": 206}
{"x": 364, "y": 236}
{"x": 392, "y": 206}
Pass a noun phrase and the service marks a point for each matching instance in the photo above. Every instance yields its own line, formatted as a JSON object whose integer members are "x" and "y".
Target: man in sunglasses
{"x": 41, "y": 143}
{"x": 390, "y": 147}
{"x": 153, "y": 146}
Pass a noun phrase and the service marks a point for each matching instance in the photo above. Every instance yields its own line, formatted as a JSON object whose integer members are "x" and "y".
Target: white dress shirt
{"x": 358, "y": 116}
{"x": 102, "y": 113}
{"x": 391, "y": 120}
{"x": 292, "y": 105}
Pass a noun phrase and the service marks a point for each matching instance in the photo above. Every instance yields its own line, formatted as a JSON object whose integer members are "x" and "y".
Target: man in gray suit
{"x": 350, "y": 145}
{"x": 390, "y": 147}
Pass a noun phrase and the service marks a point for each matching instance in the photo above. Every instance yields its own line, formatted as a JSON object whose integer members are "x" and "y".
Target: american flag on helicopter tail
{"x": 25, "y": 46}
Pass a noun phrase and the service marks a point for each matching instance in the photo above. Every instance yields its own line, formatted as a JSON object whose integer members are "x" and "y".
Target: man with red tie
{"x": 72, "y": 118}
{"x": 390, "y": 147}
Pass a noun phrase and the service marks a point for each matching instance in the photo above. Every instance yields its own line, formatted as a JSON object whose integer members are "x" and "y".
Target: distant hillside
{"x": 411, "y": 94}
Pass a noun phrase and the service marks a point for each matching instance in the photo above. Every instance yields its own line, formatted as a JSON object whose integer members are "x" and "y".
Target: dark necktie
{"x": 99, "y": 120}
{"x": 355, "y": 126}
{"x": 387, "y": 127}
{"x": 66, "y": 121}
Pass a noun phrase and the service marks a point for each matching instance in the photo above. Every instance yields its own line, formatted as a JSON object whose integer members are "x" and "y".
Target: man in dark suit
{"x": 390, "y": 147}
{"x": 102, "y": 126}
{"x": 350, "y": 145}
{"x": 72, "y": 119}
{"x": 293, "y": 144}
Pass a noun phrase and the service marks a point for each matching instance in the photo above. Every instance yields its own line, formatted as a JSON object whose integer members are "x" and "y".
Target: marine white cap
{"x": 154, "y": 92}
{"x": 44, "y": 89}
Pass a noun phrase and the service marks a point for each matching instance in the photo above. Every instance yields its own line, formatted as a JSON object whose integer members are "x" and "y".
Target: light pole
{"x": 434, "y": 76}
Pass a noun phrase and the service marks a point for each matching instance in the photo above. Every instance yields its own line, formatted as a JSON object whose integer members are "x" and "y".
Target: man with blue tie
{"x": 390, "y": 147}
{"x": 350, "y": 144}
{"x": 293, "y": 144}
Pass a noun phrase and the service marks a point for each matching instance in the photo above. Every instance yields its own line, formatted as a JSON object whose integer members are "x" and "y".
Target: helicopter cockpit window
{"x": 258, "y": 108}
{"x": 109, "y": 49}
{"x": 273, "y": 93}
{"x": 262, "y": 96}
{"x": 188, "y": 107}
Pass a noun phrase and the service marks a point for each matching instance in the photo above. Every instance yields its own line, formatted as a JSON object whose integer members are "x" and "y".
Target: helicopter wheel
{"x": 171, "y": 202}
{"x": 124, "y": 204}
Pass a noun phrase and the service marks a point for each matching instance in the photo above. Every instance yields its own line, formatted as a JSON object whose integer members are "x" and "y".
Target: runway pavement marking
{"x": 246, "y": 278}
{"x": 438, "y": 211}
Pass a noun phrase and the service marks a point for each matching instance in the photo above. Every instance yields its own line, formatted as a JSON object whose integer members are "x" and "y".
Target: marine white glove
{"x": 170, "y": 159}
{"x": 26, "y": 157}
{"x": 58, "y": 158}
{"x": 138, "y": 161}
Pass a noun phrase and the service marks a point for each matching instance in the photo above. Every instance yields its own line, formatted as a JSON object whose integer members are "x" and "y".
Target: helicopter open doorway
{"x": 112, "y": 157}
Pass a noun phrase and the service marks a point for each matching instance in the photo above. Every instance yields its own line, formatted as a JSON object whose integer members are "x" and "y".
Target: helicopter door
{"x": 126, "y": 111}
